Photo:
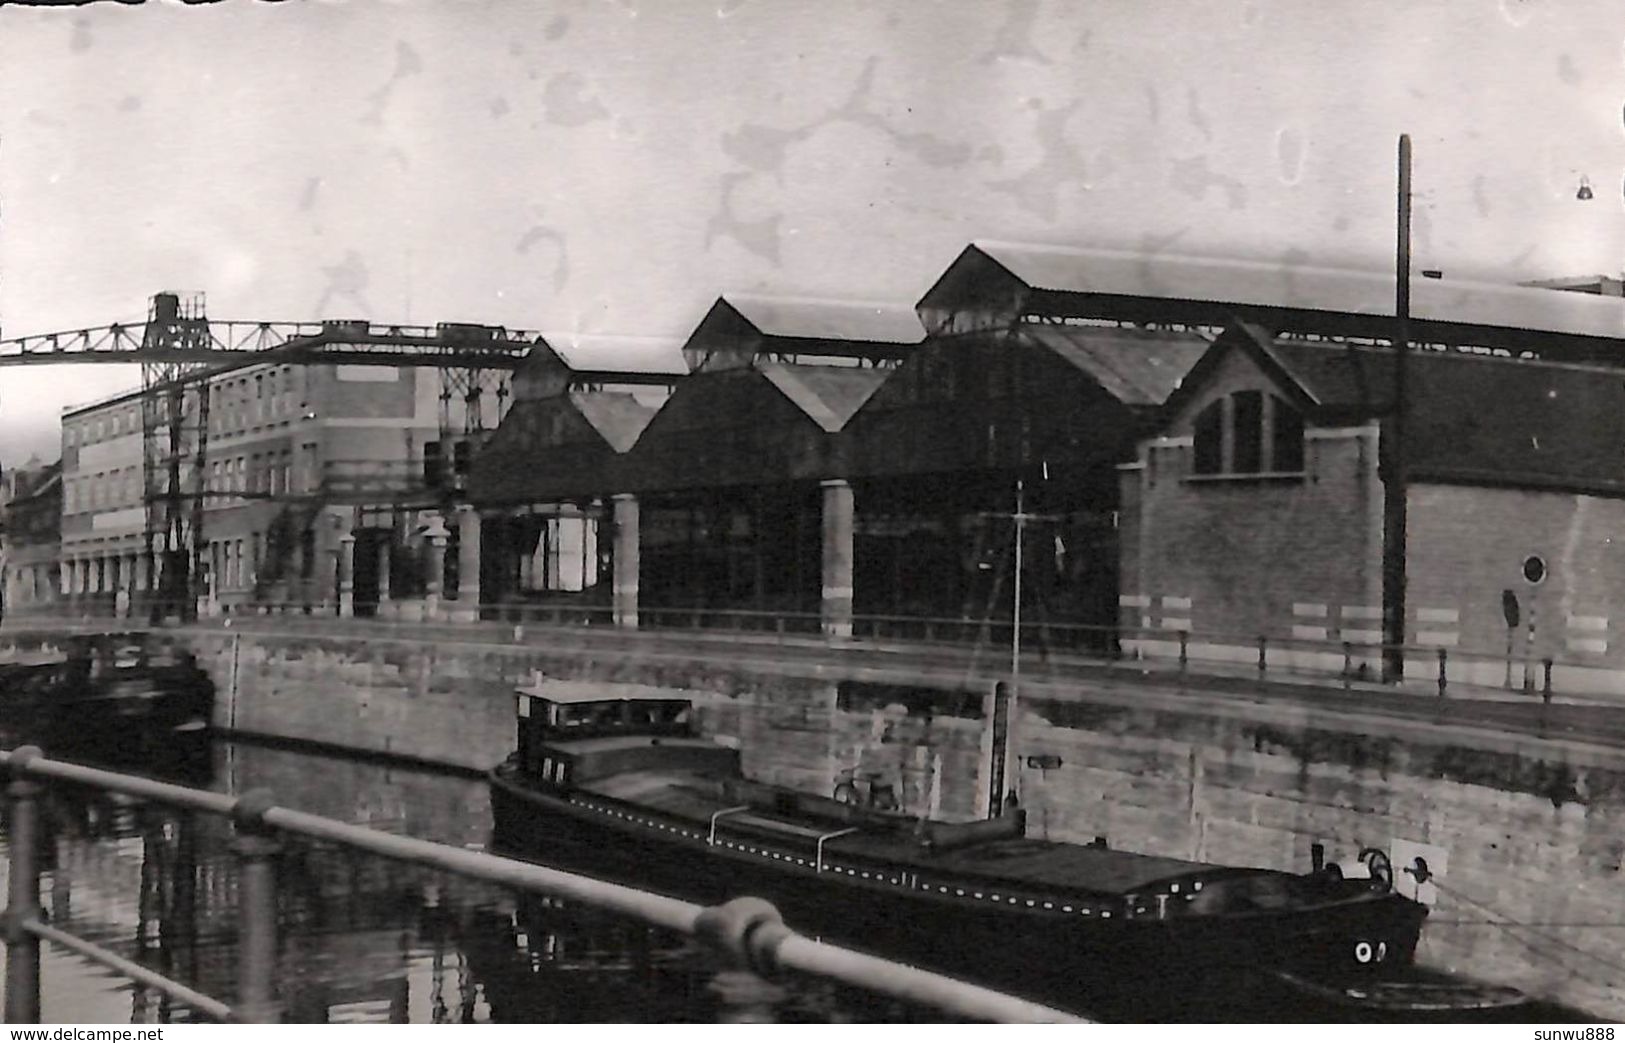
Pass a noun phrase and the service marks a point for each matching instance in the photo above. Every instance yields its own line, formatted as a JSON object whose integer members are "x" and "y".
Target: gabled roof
{"x": 1136, "y": 367}
{"x": 1257, "y": 343}
{"x": 619, "y": 417}
{"x": 1473, "y": 419}
{"x": 829, "y": 395}
{"x": 1304, "y": 288}
{"x": 809, "y": 318}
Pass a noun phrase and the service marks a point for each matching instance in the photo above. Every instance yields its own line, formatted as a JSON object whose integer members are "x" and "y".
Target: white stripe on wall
{"x": 1437, "y": 615}
{"x": 1308, "y": 608}
{"x": 1133, "y": 601}
{"x": 1182, "y": 603}
{"x": 1596, "y": 645}
{"x": 1304, "y": 633}
{"x": 1361, "y": 612}
{"x": 1588, "y": 622}
{"x": 1437, "y": 638}
{"x": 1170, "y": 623}
{"x": 1361, "y": 637}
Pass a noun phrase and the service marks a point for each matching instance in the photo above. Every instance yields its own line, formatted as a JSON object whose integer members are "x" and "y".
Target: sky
{"x": 612, "y": 166}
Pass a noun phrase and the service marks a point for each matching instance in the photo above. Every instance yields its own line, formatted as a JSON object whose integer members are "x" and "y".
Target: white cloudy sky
{"x": 612, "y": 165}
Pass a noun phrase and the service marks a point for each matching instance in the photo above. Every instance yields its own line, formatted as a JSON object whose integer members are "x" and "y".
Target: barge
{"x": 626, "y": 789}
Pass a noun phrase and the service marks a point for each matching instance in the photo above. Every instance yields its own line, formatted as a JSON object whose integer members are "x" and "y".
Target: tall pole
{"x": 1394, "y": 481}
{"x": 1011, "y": 768}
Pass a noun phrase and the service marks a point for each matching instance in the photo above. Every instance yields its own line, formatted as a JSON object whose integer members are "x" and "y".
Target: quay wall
{"x": 1527, "y": 834}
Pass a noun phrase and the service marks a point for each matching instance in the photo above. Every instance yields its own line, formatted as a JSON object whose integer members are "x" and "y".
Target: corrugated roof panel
{"x": 1138, "y": 367}
{"x": 1478, "y": 419}
{"x": 1125, "y": 273}
{"x": 829, "y": 395}
{"x": 864, "y": 321}
{"x": 617, "y": 415}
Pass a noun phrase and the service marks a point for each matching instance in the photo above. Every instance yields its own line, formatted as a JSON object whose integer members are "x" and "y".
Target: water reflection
{"x": 364, "y": 939}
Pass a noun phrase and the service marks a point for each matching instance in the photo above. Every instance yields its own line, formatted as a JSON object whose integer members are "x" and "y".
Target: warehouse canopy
{"x": 994, "y": 284}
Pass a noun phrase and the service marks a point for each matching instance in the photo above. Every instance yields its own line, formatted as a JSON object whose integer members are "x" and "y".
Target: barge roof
{"x": 1021, "y": 861}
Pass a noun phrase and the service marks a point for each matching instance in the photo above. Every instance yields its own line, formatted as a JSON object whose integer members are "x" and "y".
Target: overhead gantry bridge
{"x": 180, "y": 350}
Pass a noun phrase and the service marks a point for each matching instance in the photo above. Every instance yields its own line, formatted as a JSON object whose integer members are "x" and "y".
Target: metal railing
{"x": 1267, "y": 656}
{"x": 748, "y": 932}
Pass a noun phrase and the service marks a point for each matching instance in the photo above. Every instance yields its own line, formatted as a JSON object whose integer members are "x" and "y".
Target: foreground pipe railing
{"x": 747, "y": 931}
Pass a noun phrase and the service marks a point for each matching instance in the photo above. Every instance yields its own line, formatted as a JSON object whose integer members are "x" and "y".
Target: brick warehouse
{"x": 1256, "y": 508}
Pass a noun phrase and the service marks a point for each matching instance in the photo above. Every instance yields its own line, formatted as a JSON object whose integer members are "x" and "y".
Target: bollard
{"x": 255, "y": 847}
{"x": 1441, "y": 673}
{"x": 1263, "y": 645}
{"x": 1348, "y": 664}
{"x": 1546, "y": 681}
{"x": 1184, "y": 650}
{"x": 22, "y": 1005}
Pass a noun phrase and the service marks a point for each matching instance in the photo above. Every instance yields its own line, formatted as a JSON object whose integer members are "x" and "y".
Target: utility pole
{"x": 1393, "y": 448}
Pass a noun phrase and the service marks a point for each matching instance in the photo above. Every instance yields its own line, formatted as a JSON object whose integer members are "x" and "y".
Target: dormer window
{"x": 1248, "y": 433}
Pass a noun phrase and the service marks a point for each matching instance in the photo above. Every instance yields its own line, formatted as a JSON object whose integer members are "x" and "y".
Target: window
{"x": 1287, "y": 438}
{"x": 1248, "y": 432}
{"x": 1247, "y": 450}
{"x": 1209, "y": 441}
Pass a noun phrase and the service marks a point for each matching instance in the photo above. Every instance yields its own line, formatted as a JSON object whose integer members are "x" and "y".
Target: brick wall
{"x": 1467, "y": 545}
{"x": 1231, "y": 558}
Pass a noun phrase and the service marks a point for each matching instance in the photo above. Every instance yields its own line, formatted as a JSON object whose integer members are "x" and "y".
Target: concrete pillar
{"x": 437, "y": 573}
{"x": 836, "y": 609}
{"x": 625, "y": 592}
{"x": 468, "y": 565}
{"x": 347, "y": 574}
{"x": 383, "y": 570}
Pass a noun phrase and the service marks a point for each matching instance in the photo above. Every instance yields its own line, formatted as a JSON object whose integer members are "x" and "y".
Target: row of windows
{"x": 105, "y": 490}
{"x": 234, "y": 404}
{"x": 270, "y": 473}
{"x": 1248, "y": 432}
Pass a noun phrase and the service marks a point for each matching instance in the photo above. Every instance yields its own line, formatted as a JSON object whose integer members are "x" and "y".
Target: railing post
{"x": 1348, "y": 664}
{"x": 22, "y": 900}
{"x": 1442, "y": 661}
{"x": 256, "y": 847}
{"x": 1184, "y": 650}
{"x": 1263, "y": 654}
{"x": 747, "y": 932}
{"x": 1546, "y": 681}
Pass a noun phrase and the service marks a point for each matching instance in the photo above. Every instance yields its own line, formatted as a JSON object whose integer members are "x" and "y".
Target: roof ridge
{"x": 775, "y": 298}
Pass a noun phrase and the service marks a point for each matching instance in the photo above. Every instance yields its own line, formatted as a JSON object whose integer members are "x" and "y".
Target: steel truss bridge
{"x": 180, "y": 350}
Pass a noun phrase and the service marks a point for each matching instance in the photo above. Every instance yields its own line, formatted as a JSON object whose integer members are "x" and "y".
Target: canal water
{"x": 366, "y": 939}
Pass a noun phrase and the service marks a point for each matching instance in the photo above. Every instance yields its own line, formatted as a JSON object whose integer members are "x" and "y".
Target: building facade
{"x": 297, "y": 460}
{"x": 1255, "y": 512}
{"x": 30, "y": 538}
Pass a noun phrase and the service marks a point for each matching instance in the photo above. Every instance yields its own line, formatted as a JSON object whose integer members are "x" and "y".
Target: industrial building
{"x": 1193, "y": 449}
{"x": 30, "y": 537}
{"x": 297, "y": 454}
